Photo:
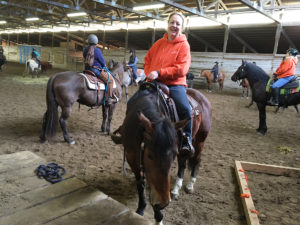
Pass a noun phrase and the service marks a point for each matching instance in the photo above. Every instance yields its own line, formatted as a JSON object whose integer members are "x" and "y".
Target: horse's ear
{"x": 146, "y": 123}
{"x": 181, "y": 124}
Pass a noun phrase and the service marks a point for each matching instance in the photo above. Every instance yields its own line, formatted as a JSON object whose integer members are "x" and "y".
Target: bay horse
{"x": 210, "y": 79}
{"x": 151, "y": 142}
{"x": 246, "y": 88}
{"x": 66, "y": 88}
{"x": 258, "y": 80}
{"x": 45, "y": 65}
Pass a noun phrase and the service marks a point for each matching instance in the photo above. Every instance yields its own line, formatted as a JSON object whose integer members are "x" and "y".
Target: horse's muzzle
{"x": 160, "y": 206}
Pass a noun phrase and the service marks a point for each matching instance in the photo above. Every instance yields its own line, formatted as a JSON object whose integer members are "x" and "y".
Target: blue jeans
{"x": 96, "y": 71}
{"x": 134, "y": 69}
{"x": 178, "y": 94}
{"x": 282, "y": 81}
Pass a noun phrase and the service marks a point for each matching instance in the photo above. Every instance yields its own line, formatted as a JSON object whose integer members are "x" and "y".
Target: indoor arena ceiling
{"x": 102, "y": 15}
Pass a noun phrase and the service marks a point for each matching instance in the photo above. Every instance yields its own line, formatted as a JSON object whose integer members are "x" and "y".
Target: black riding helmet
{"x": 292, "y": 51}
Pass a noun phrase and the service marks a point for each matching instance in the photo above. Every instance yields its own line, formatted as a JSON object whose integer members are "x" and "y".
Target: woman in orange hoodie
{"x": 284, "y": 73}
{"x": 168, "y": 62}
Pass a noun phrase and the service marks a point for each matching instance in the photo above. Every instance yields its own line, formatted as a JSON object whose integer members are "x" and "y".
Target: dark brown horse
{"x": 151, "y": 142}
{"x": 45, "y": 65}
{"x": 64, "y": 89}
{"x": 210, "y": 79}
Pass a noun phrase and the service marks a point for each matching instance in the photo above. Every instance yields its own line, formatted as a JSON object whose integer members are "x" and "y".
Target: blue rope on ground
{"x": 52, "y": 172}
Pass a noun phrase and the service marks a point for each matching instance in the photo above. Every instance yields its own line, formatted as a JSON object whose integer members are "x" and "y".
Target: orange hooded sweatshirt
{"x": 287, "y": 67}
{"x": 172, "y": 59}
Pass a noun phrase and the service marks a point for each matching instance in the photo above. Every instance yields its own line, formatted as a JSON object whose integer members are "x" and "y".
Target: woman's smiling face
{"x": 175, "y": 26}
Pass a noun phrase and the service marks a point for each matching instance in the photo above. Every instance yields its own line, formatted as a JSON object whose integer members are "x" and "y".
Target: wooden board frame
{"x": 241, "y": 167}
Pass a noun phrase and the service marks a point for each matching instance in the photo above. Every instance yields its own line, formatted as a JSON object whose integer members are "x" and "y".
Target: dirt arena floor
{"x": 98, "y": 161}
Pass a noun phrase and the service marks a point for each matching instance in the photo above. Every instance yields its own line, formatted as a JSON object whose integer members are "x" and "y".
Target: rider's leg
{"x": 276, "y": 89}
{"x": 178, "y": 94}
{"x": 108, "y": 79}
{"x": 134, "y": 69}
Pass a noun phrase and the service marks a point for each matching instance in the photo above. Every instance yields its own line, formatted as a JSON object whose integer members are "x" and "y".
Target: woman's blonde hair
{"x": 179, "y": 14}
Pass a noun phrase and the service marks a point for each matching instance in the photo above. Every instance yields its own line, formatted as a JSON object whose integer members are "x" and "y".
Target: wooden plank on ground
{"x": 271, "y": 169}
{"x": 54, "y": 208}
{"x": 249, "y": 209}
{"x": 18, "y": 160}
{"x": 107, "y": 211}
{"x": 38, "y": 196}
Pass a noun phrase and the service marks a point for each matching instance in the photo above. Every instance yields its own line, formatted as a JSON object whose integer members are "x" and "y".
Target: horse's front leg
{"x": 140, "y": 184}
{"x": 66, "y": 112}
{"x": 262, "y": 129}
{"x": 180, "y": 173}
{"x": 194, "y": 164}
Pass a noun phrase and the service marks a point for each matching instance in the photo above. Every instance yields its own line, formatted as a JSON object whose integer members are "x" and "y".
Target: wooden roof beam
{"x": 258, "y": 9}
{"x": 61, "y": 5}
{"x": 190, "y": 10}
{"x": 122, "y": 7}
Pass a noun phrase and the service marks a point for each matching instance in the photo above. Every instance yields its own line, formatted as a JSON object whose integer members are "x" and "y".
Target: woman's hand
{"x": 152, "y": 76}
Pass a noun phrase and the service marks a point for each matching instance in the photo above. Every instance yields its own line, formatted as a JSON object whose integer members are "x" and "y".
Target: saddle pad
{"x": 289, "y": 88}
{"x": 94, "y": 86}
{"x": 196, "y": 107}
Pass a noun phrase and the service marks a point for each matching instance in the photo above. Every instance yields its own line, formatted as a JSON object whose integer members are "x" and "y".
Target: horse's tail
{"x": 52, "y": 109}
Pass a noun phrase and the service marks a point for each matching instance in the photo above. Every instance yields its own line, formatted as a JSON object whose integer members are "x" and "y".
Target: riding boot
{"x": 274, "y": 98}
{"x": 187, "y": 146}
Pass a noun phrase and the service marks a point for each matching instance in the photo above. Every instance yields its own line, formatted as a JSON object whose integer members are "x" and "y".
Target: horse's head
{"x": 241, "y": 72}
{"x": 111, "y": 63}
{"x": 159, "y": 154}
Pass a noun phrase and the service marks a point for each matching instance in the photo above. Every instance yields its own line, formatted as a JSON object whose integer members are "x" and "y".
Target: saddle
{"x": 93, "y": 82}
{"x": 291, "y": 87}
{"x": 168, "y": 103}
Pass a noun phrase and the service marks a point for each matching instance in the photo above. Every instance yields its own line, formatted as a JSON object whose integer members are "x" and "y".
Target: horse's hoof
{"x": 189, "y": 190}
{"x": 72, "y": 142}
{"x": 140, "y": 212}
{"x": 261, "y": 132}
{"x": 174, "y": 196}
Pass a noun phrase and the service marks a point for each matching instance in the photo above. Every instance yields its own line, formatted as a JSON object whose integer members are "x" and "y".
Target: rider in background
{"x": 133, "y": 59}
{"x": 2, "y": 58}
{"x": 95, "y": 62}
{"x": 168, "y": 61}
{"x": 285, "y": 73}
{"x": 215, "y": 71}
{"x": 35, "y": 55}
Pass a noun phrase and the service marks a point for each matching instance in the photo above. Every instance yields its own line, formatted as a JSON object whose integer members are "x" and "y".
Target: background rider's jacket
{"x": 132, "y": 63}
{"x": 287, "y": 67}
{"x": 172, "y": 59}
{"x": 35, "y": 54}
{"x": 99, "y": 61}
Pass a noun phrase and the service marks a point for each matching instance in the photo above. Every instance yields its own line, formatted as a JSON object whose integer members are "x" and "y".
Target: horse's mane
{"x": 164, "y": 133}
{"x": 256, "y": 72}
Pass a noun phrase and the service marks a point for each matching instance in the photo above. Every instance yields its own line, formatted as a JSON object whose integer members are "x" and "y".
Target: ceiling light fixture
{"x": 152, "y": 6}
{"x": 2, "y": 21}
{"x": 32, "y": 19}
{"x": 76, "y": 14}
